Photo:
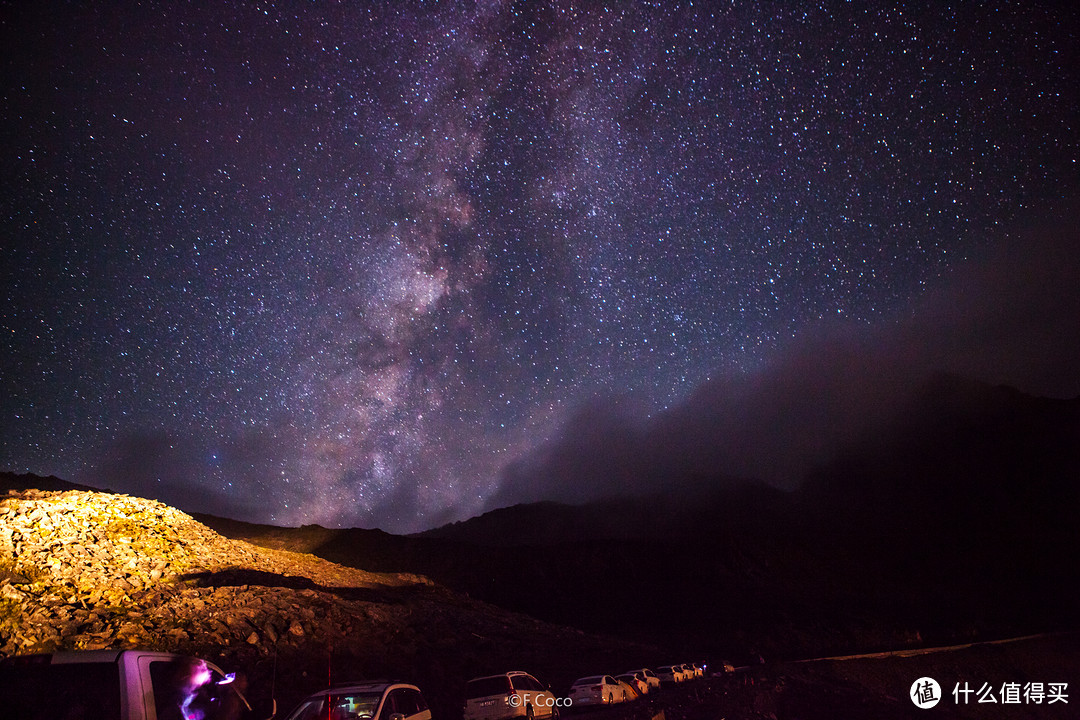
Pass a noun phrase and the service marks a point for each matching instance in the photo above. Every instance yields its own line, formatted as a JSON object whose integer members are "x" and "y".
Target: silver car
{"x": 364, "y": 701}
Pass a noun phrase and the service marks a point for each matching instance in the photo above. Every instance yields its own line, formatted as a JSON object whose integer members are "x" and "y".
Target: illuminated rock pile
{"x": 85, "y": 570}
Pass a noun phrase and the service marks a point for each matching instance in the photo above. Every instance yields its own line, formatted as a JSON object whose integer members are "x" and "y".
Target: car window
{"x": 184, "y": 685}
{"x": 395, "y": 703}
{"x": 407, "y": 701}
{"x": 413, "y": 700}
{"x": 78, "y": 690}
{"x": 346, "y": 705}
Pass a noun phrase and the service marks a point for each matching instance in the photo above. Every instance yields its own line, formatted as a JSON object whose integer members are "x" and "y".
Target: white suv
{"x": 510, "y": 695}
{"x": 364, "y": 701}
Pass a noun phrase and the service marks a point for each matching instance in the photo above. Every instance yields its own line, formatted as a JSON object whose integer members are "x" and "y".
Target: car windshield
{"x": 485, "y": 687}
{"x": 346, "y": 706}
{"x": 594, "y": 680}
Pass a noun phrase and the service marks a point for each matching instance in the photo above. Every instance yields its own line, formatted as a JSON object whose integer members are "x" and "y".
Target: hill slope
{"x": 81, "y": 570}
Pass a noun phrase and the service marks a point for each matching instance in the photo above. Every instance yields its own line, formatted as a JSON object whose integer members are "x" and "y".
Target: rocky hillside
{"x": 83, "y": 570}
{"x": 90, "y": 570}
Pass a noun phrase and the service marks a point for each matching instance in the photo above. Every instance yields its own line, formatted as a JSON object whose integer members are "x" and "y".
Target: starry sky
{"x": 391, "y": 264}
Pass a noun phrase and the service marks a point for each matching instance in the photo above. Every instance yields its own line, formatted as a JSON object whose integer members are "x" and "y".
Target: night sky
{"x": 390, "y": 265}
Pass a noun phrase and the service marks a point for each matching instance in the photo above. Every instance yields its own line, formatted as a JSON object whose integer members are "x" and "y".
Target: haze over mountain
{"x": 1008, "y": 317}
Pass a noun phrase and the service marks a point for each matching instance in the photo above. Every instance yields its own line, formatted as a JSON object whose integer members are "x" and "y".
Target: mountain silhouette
{"x": 956, "y": 522}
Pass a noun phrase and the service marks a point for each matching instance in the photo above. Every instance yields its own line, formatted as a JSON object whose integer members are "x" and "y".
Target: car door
{"x": 547, "y": 704}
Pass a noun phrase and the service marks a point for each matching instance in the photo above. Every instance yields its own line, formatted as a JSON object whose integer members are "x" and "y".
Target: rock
{"x": 10, "y": 592}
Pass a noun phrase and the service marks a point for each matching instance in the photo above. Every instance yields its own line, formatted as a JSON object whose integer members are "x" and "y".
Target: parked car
{"x": 629, "y": 690}
{"x": 364, "y": 701}
{"x": 596, "y": 690}
{"x": 650, "y": 677}
{"x": 699, "y": 669}
{"x": 670, "y": 674}
{"x": 636, "y": 681}
{"x": 510, "y": 695}
{"x": 117, "y": 685}
{"x": 687, "y": 671}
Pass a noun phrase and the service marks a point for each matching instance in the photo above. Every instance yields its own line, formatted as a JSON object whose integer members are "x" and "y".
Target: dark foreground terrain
{"x": 84, "y": 570}
{"x": 876, "y": 687}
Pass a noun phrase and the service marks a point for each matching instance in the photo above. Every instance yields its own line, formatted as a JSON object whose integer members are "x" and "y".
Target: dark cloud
{"x": 143, "y": 460}
{"x": 1009, "y": 316}
{"x": 597, "y": 453}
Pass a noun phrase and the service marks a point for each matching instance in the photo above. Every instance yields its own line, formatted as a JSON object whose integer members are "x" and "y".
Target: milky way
{"x": 349, "y": 264}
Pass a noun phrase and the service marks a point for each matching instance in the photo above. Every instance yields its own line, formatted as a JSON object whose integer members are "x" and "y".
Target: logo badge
{"x": 925, "y": 693}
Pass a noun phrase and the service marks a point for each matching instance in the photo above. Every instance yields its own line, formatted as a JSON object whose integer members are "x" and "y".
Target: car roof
{"x": 505, "y": 674}
{"x": 64, "y": 657}
{"x": 76, "y": 657}
{"x": 362, "y": 687}
{"x": 589, "y": 679}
